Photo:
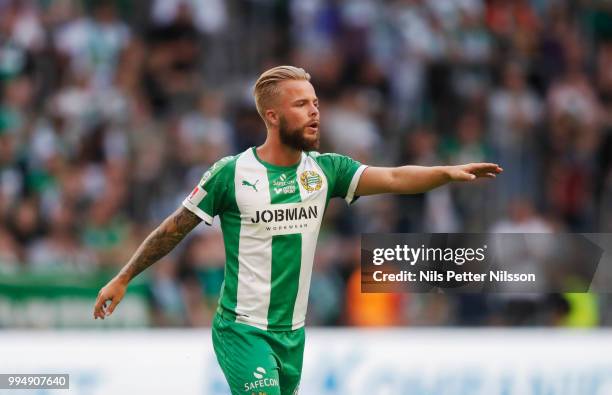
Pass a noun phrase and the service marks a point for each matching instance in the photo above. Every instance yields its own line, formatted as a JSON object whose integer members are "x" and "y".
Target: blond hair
{"x": 266, "y": 87}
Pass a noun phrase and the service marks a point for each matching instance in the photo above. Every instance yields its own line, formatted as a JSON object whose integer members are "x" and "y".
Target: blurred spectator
{"x": 573, "y": 97}
{"x": 12, "y": 178}
{"x": 522, "y": 255}
{"x": 522, "y": 218}
{"x": 205, "y": 135}
{"x": 10, "y": 261}
{"x": 472, "y": 52}
{"x": 105, "y": 230}
{"x": 24, "y": 222}
{"x": 201, "y": 273}
{"x": 575, "y": 121}
{"x": 465, "y": 146}
{"x": 93, "y": 44}
{"x": 514, "y": 111}
{"x": 61, "y": 249}
{"x": 349, "y": 127}
{"x": 207, "y": 15}
{"x": 169, "y": 308}
{"x": 434, "y": 211}
{"x": 506, "y": 18}
{"x": 171, "y": 68}
{"x": 23, "y": 24}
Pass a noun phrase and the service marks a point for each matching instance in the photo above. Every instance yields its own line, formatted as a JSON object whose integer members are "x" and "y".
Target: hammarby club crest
{"x": 311, "y": 180}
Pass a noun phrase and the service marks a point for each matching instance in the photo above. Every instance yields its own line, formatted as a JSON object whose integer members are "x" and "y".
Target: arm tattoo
{"x": 160, "y": 242}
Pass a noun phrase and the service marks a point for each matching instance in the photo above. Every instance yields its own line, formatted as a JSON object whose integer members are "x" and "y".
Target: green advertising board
{"x": 59, "y": 299}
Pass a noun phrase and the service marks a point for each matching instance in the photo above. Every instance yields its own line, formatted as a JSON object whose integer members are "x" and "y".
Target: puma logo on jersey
{"x": 248, "y": 184}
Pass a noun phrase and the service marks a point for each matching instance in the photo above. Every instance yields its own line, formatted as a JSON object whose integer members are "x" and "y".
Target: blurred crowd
{"x": 110, "y": 111}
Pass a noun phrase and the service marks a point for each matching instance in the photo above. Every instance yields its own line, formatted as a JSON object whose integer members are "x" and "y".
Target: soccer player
{"x": 270, "y": 200}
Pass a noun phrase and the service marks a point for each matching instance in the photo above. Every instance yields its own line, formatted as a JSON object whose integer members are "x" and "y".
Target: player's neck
{"x": 278, "y": 154}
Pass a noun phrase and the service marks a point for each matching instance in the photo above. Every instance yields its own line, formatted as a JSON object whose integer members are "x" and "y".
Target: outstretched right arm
{"x": 159, "y": 243}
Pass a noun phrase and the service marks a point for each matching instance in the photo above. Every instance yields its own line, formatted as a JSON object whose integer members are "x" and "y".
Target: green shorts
{"x": 258, "y": 362}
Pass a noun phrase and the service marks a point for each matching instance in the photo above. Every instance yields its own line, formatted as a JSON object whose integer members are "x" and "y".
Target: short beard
{"x": 295, "y": 138}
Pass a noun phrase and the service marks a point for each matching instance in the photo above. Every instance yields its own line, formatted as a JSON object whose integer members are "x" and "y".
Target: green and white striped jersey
{"x": 270, "y": 219}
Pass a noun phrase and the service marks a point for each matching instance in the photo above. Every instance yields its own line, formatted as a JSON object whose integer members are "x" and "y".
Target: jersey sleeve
{"x": 345, "y": 176}
{"x": 206, "y": 199}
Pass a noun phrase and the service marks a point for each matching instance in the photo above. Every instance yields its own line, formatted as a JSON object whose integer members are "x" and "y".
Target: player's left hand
{"x": 472, "y": 171}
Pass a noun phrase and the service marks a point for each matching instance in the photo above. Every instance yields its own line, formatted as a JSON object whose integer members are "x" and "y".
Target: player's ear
{"x": 272, "y": 117}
